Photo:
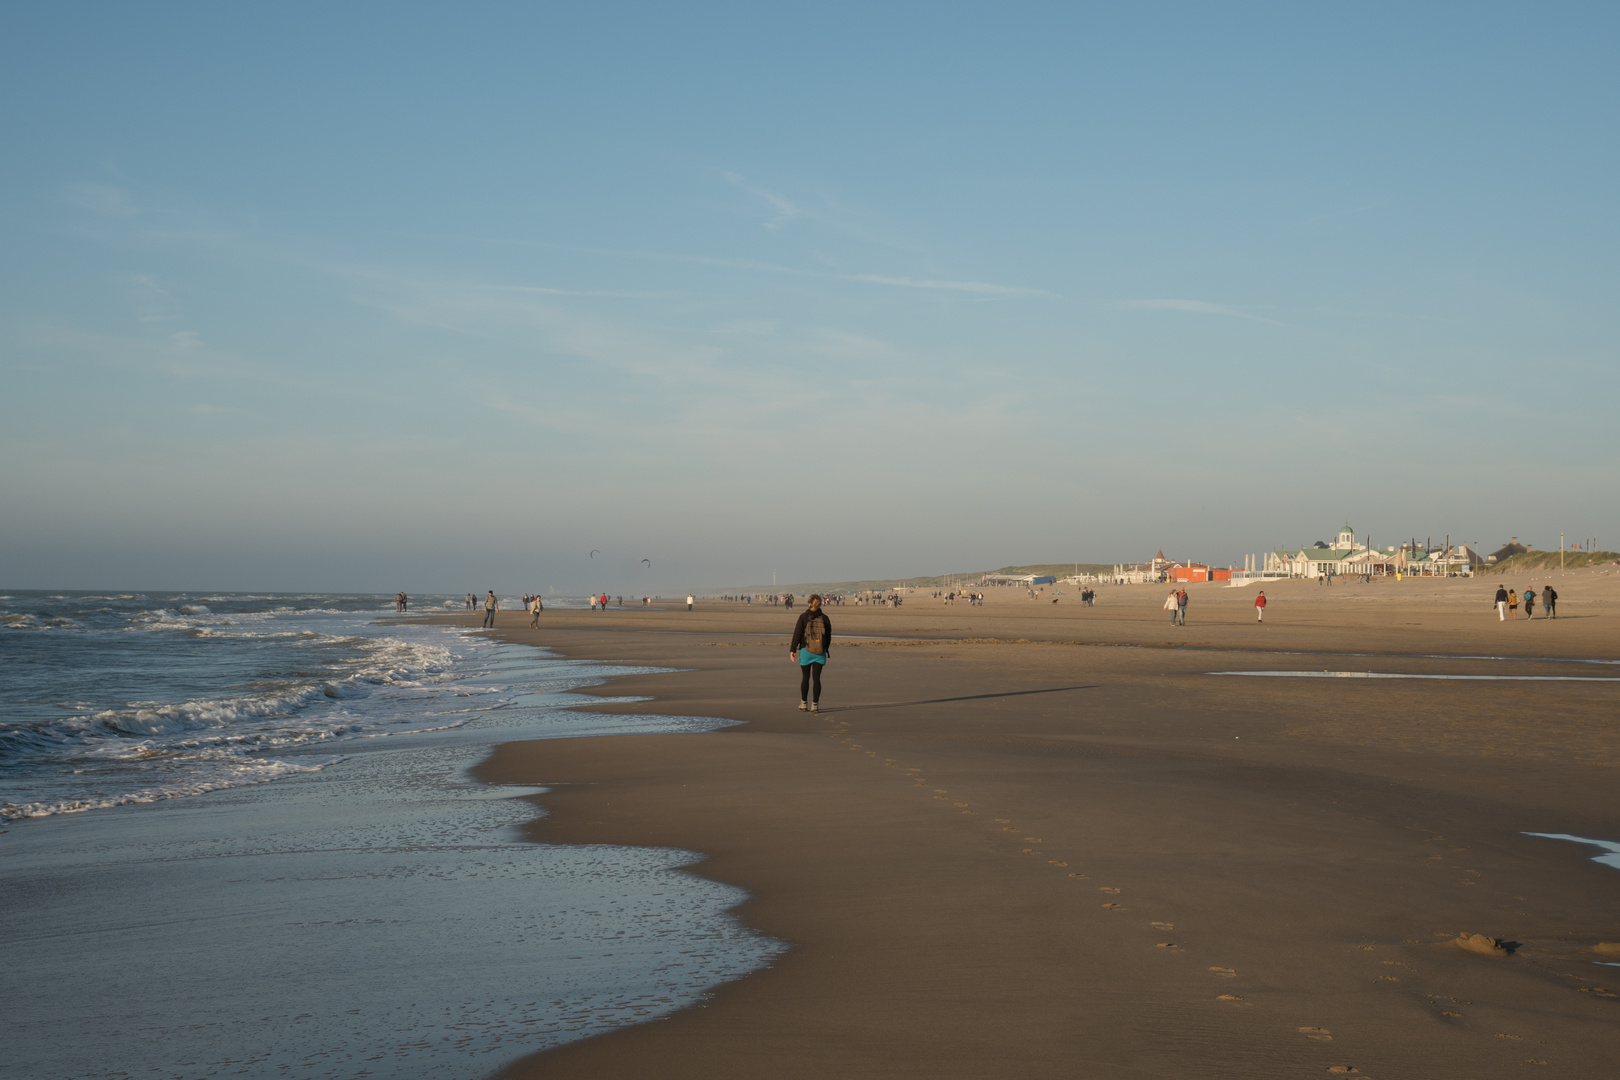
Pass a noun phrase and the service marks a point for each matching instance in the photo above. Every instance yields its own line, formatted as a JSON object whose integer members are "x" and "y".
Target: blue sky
{"x": 399, "y": 296}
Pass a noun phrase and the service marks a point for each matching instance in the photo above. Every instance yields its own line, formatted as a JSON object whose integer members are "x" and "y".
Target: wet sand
{"x": 1033, "y": 840}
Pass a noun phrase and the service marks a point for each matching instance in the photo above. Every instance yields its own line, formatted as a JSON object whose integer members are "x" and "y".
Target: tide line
{"x": 1396, "y": 675}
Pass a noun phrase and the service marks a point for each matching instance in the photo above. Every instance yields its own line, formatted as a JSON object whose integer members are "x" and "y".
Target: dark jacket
{"x": 1501, "y": 595}
{"x": 798, "y": 631}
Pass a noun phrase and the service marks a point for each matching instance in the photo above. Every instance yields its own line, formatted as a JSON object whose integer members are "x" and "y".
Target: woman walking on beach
{"x": 1513, "y": 605}
{"x": 812, "y": 641}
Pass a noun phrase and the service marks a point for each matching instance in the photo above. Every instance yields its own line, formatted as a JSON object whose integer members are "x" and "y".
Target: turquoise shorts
{"x": 806, "y": 658}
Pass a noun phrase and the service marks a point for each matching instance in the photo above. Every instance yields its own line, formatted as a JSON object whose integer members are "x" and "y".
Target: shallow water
{"x": 1396, "y": 675}
{"x": 1609, "y": 846}
{"x": 376, "y": 914}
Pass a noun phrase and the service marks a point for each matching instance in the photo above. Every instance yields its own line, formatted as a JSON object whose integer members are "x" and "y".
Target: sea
{"x": 238, "y": 838}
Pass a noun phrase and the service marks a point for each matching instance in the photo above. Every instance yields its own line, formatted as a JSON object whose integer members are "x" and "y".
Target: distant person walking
{"x": 1260, "y": 607}
{"x": 689, "y": 601}
{"x": 491, "y": 606}
{"x": 812, "y": 641}
{"x": 604, "y": 601}
{"x": 1529, "y": 603}
{"x": 1501, "y": 603}
{"x": 535, "y": 608}
{"x": 1549, "y": 601}
{"x": 469, "y": 601}
{"x": 1513, "y": 606}
{"x": 1181, "y": 606}
{"x": 1172, "y": 606}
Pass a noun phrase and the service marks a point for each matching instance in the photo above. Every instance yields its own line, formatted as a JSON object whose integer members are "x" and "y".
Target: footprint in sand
{"x": 1082, "y": 877}
{"x": 940, "y": 791}
{"x": 1030, "y": 851}
{"x": 1032, "y": 839}
{"x": 1319, "y": 1034}
{"x": 1230, "y": 999}
{"x": 1003, "y": 821}
{"x": 1165, "y": 945}
{"x": 1113, "y": 907}
{"x": 1349, "y": 1070}
{"x": 961, "y": 804}
{"x": 1163, "y": 926}
{"x": 1366, "y": 948}
{"x": 1225, "y": 973}
{"x": 1005, "y": 829}
{"x": 1107, "y": 888}
{"x": 1056, "y": 862}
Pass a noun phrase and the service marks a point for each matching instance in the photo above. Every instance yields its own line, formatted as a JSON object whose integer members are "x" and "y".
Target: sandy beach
{"x": 1036, "y": 839}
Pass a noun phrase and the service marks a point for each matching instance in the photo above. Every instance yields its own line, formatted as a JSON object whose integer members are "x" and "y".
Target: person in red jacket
{"x": 1260, "y": 607}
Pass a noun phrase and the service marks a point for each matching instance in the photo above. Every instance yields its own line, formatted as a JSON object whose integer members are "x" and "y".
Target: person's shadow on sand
{"x": 946, "y": 700}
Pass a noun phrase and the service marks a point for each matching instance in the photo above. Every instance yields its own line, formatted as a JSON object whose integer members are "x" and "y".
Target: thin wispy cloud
{"x": 983, "y": 288}
{"x": 786, "y": 209}
{"x": 101, "y": 199}
{"x": 543, "y": 290}
{"x": 1197, "y": 307}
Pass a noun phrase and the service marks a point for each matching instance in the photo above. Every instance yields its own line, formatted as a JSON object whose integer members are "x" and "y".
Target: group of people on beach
{"x": 1176, "y": 605}
{"x": 401, "y": 602}
{"x": 1507, "y": 603}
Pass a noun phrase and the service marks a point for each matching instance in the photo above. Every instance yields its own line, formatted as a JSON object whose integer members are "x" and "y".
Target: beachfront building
{"x": 1450, "y": 561}
{"x": 1028, "y": 581}
{"x": 1155, "y": 570}
{"x": 1347, "y": 556}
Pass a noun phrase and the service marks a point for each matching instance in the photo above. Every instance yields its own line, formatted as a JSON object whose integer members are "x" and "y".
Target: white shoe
{"x": 814, "y": 707}
{"x": 804, "y": 707}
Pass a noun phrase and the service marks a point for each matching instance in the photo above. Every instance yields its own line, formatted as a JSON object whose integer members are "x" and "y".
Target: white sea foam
{"x": 229, "y": 774}
{"x": 332, "y": 664}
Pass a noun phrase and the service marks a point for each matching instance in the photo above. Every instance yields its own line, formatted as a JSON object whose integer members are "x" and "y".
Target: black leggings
{"x": 809, "y": 676}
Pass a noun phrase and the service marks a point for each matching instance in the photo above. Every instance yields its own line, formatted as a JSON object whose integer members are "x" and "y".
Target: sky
{"x": 446, "y": 297}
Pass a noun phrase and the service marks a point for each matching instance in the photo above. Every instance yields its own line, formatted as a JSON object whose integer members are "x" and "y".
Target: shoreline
{"x": 1277, "y": 850}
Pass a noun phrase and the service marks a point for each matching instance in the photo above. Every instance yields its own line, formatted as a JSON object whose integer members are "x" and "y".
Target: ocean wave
{"x": 377, "y": 663}
{"x": 236, "y": 773}
{"x": 21, "y": 620}
{"x": 167, "y": 695}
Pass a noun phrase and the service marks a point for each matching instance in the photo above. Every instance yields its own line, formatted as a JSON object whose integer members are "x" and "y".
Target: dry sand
{"x": 1031, "y": 840}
